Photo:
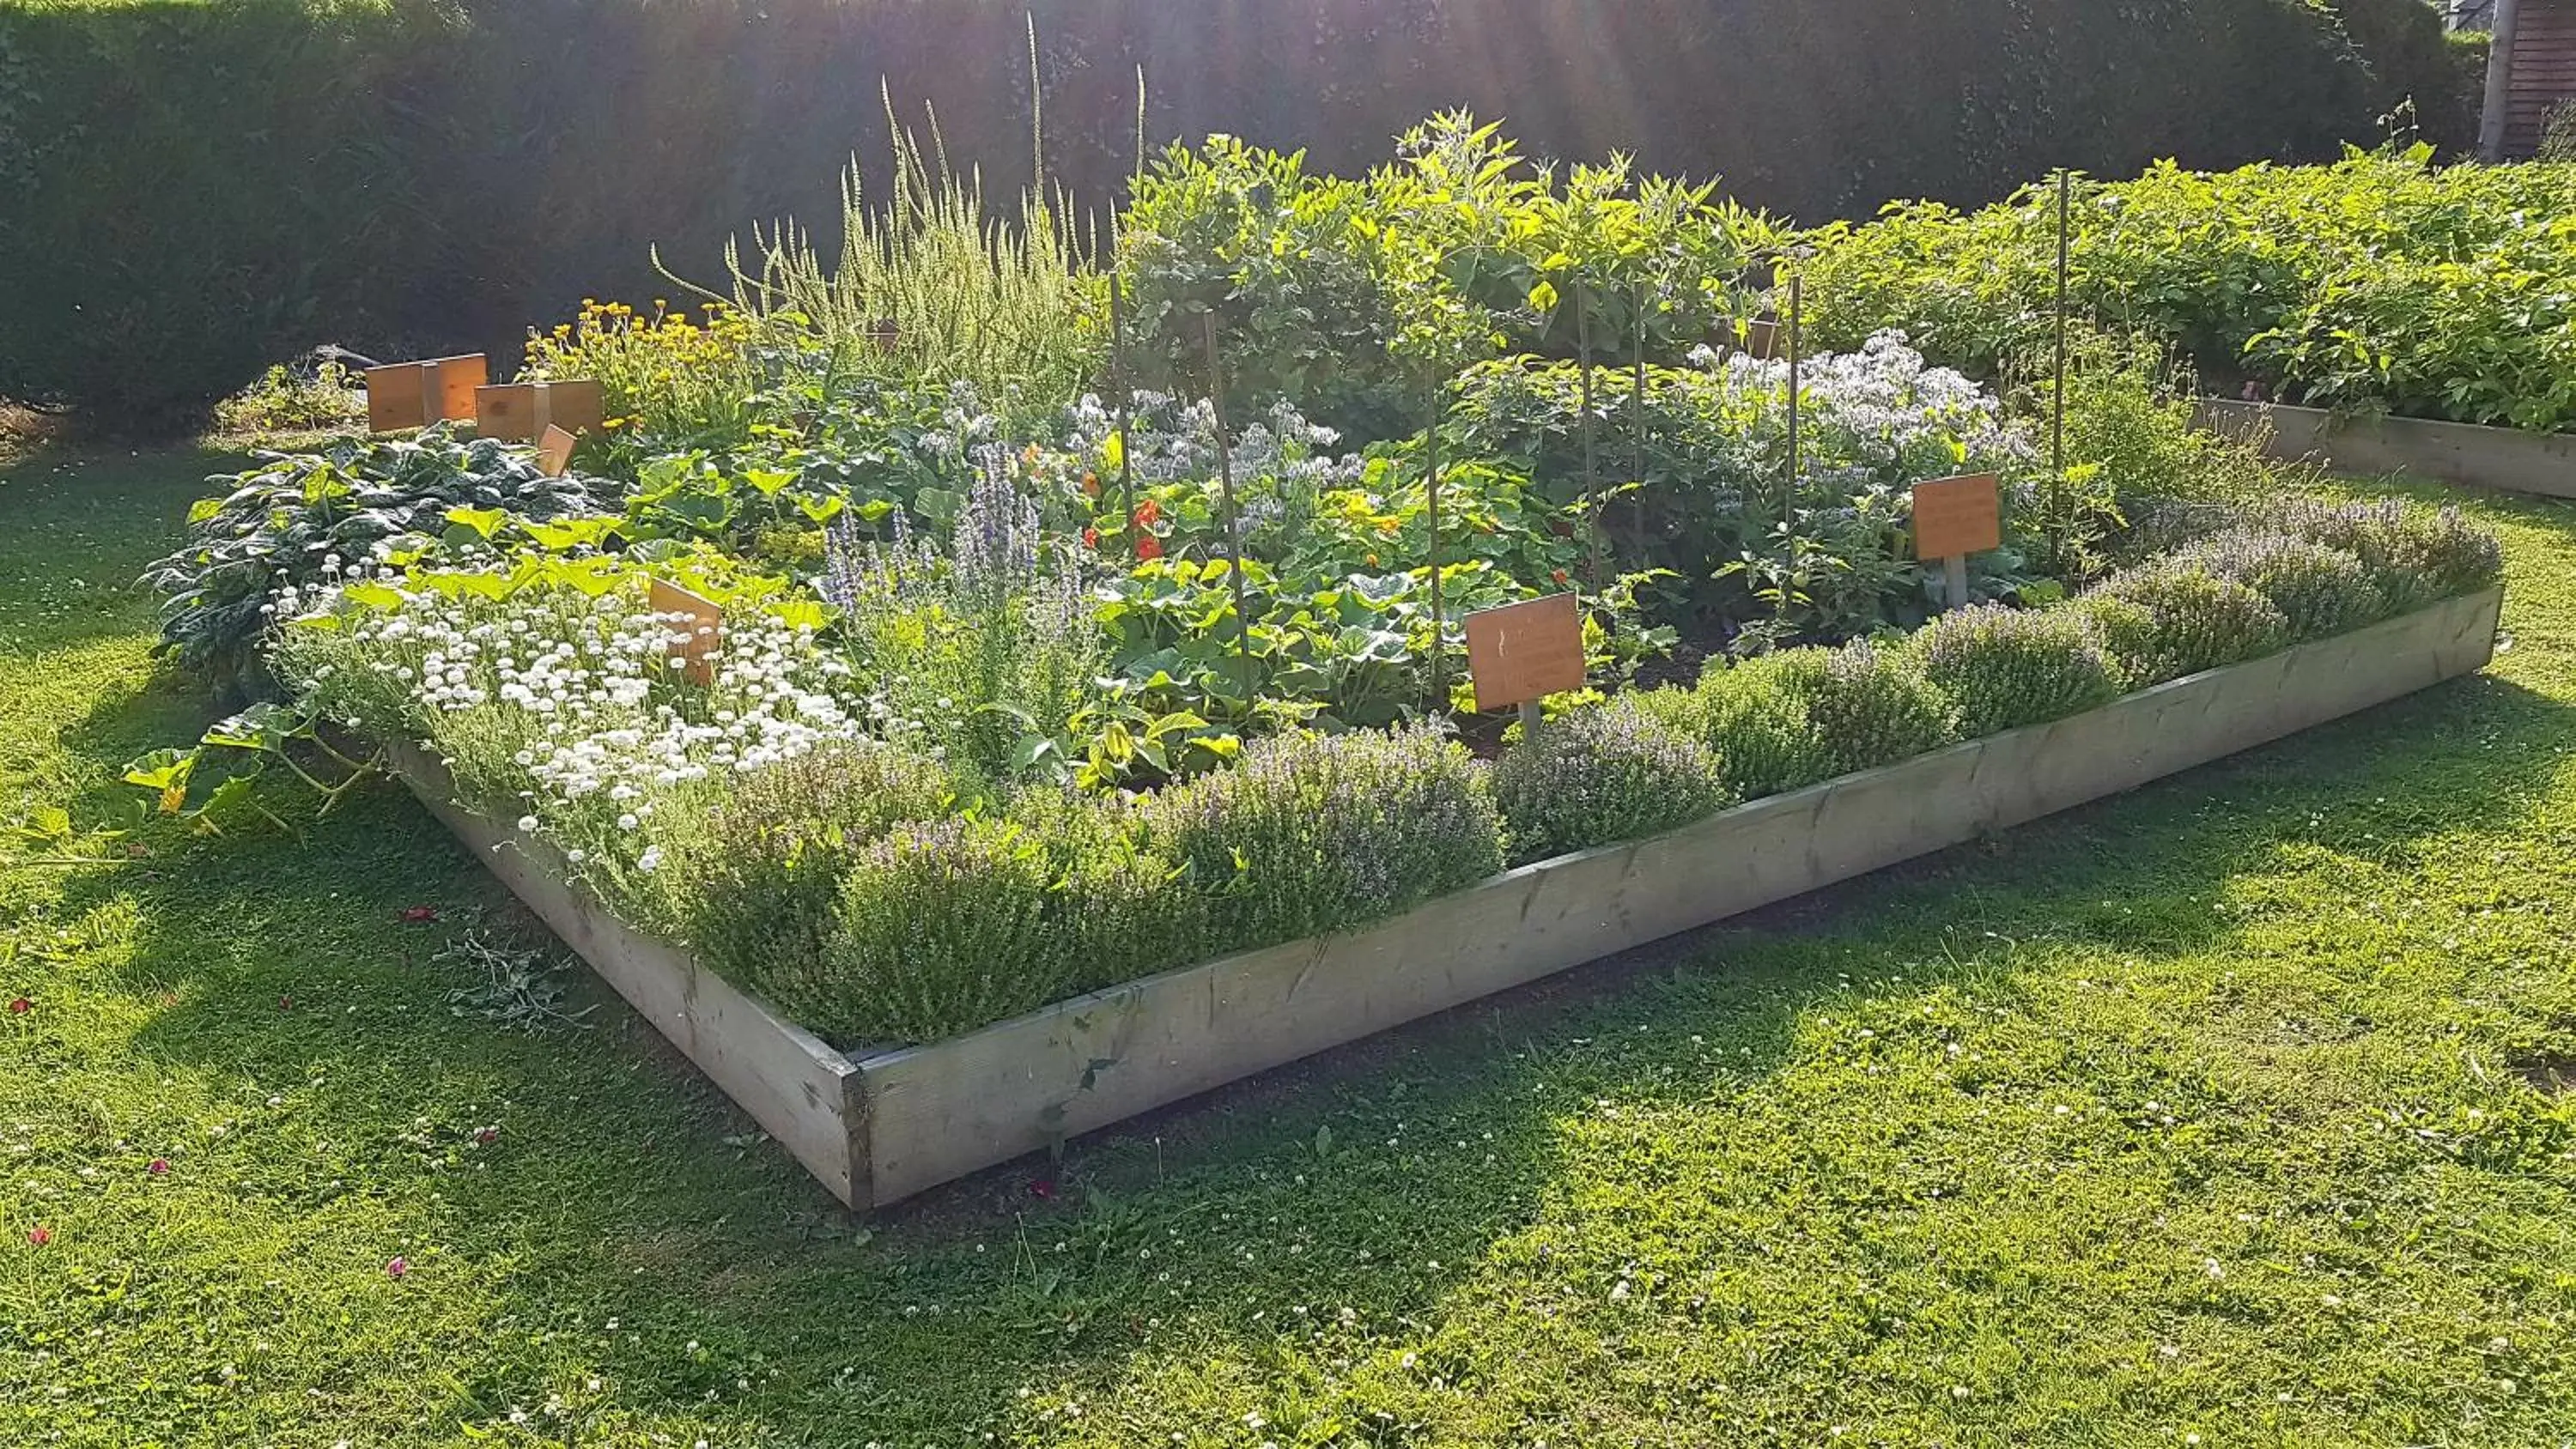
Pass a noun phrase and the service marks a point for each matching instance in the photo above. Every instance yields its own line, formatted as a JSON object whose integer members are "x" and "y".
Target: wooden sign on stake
{"x": 1953, "y": 518}
{"x": 554, "y": 452}
{"x": 416, "y": 394}
{"x": 705, "y": 625}
{"x": 521, "y": 412}
{"x": 1521, "y": 653}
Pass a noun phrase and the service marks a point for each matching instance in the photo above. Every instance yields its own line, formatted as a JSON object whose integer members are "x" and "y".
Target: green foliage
{"x": 1780, "y": 721}
{"x": 931, "y": 283}
{"x": 2005, "y": 668}
{"x": 181, "y": 257}
{"x": 2377, "y": 282}
{"x": 2134, "y": 453}
{"x": 1312, "y": 834}
{"x": 994, "y": 681}
{"x": 1872, "y": 706}
{"x": 2320, "y": 591}
{"x": 754, "y": 861}
{"x": 2413, "y": 554}
{"x": 163, "y": 260}
{"x": 286, "y": 400}
{"x": 1124, "y": 913}
{"x": 950, "y": 924}
{"x": 1284, "y": 261}
{"x": 2166, "y": 619}
{"x": 945, "y": 925}
{"x": 301, "y": 519}
{"x": 1688, "y": 476}
{"x": 1354, "y": 298}
{"x": 2558, "y": 135}
{"x": 1602, "y": 774}
{"x": 1753, "y": 718}
{"x": 664, "y": 375}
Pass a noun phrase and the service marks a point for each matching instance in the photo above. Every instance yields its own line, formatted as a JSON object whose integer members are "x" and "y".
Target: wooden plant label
{"x": 705, "y": 627}
{"x": 1524, "y": 652}
{"x": 521, "y": 412}
{"x": 416, "y": 394}
{"x": 554, "y": 452}
{"x": 1955, "y": 517}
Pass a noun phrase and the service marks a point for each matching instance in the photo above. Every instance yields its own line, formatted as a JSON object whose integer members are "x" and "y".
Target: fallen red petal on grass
{"x": 396, "y": 1267}
{"x": 488, "y": 1136}
{"x": 158, "y": 1166}
{"x": 20, "y": 1006}
{"x": 1042, "y": 1187}
{"x": 415, "y": 915}
{"x": 40, "y": 1235}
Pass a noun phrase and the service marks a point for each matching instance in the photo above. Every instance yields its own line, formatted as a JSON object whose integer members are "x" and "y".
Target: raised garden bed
{"x": 2509, "y": 459}
{"x": 880, "y": 1126}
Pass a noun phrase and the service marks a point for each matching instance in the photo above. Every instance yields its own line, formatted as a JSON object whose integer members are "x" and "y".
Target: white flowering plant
{"x": 558, "y": 697}
{"x": 1687, "y": 474}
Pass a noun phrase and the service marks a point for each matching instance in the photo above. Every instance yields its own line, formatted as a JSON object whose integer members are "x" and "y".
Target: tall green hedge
{"x": 195, "y": 187}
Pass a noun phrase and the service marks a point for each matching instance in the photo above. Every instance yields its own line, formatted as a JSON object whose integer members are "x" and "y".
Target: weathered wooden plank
{"x": 939, "y": 1111}
{"x": 796, "y": 1087}
{"x": 2510, "y": 459}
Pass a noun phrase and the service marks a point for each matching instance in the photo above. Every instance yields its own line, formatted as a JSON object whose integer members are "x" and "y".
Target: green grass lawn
{"x": 2226, "y": 1113}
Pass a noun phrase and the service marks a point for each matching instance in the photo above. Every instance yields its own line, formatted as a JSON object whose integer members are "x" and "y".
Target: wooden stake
{"x": 1637, "y": 410}
{"x": 2057, "y": 394}
{"x": 1119, "y": 385}
{"x": 1233, "y": 526}
{"x": 1431, "y": 514}
{"x": 1591, "y": 473}
{"x": 1789, "y": 496}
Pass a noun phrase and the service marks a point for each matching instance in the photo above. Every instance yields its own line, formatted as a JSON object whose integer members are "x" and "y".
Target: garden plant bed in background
{"x": 2514, "y": 460}
{"x": 880, "y": 1126}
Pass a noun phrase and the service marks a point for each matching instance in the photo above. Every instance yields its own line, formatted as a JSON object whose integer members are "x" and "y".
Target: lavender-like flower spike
{"x": 857, "y": 569}
{"x": 995, "y": 548}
